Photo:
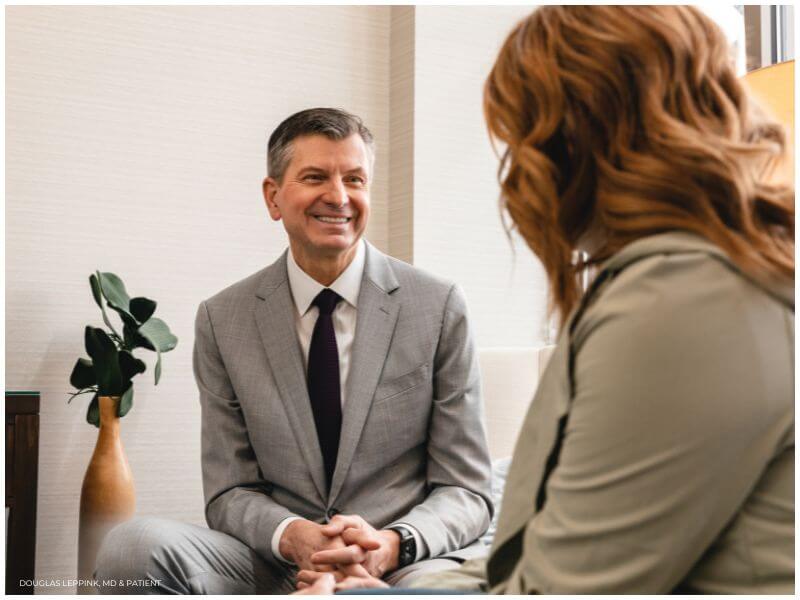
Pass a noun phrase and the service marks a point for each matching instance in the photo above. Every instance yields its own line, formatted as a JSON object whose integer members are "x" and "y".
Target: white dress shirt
{"x": 304, "y": 289}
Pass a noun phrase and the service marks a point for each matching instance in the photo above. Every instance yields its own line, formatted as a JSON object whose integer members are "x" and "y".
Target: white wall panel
{"x": 457, "y": 227}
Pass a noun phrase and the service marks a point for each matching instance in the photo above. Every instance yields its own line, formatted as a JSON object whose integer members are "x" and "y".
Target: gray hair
{"x": 333, "y": 123}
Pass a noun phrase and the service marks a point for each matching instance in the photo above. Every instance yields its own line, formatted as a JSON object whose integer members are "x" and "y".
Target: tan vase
{"x": 107, "y": 494}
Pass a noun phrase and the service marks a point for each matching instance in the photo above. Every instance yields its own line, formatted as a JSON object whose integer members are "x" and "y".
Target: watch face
{"x": 408, "y": 551}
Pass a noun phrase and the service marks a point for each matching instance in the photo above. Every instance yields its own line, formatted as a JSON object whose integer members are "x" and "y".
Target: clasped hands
{"x": 345, "y": 553}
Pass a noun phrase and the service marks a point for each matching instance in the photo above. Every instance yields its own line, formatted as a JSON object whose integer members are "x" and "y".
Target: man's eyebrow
{"x": 358, "y": 169}
{"x": 311, "y": 168}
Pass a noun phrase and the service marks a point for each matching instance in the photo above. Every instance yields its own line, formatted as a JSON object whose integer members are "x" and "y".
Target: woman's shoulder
{"x": 678, "y": 283}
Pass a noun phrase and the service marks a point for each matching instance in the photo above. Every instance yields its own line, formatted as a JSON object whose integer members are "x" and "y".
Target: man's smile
{"x": 333, "y": 220}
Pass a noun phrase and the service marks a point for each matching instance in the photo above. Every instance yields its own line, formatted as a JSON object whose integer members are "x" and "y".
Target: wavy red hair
{"x": 624, "y": 122}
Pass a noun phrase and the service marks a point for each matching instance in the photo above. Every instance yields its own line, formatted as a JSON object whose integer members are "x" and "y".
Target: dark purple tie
{"x": 323, "y": 380}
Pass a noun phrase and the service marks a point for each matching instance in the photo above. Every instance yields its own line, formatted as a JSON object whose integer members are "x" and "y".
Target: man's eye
{"x": 313, "y": 177}
{"x": 356, "y": 179}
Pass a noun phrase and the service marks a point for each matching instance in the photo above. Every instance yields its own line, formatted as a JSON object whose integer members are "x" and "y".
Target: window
{"x": 769, "y": 34}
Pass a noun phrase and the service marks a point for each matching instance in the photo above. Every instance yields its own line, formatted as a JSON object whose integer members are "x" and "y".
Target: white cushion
{"x": 509, "y": 379}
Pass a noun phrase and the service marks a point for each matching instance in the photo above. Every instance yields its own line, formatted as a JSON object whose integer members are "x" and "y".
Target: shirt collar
{"x": 305, "y": 288}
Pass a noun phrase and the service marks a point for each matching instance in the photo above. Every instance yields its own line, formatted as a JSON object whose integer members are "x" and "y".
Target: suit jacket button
{"x": 332, "y": 512}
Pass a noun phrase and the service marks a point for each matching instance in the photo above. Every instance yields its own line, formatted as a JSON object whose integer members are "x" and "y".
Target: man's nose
{"x": 336, "y": 194}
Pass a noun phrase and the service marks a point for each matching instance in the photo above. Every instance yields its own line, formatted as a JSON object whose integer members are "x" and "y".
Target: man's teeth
{"x": 332, "y": 219}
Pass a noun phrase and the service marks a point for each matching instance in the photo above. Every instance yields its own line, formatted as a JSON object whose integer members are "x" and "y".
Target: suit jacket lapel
{"x": 377, "y": 316}
{"x": 276, "y": 324}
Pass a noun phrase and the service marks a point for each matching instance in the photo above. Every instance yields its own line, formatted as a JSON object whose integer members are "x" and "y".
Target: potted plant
{"x": 112, "y": 366}
{"x": 107, "y": 493}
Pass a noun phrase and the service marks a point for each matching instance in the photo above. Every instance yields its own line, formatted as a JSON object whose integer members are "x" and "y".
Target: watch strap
{"x": 408, "y": 546}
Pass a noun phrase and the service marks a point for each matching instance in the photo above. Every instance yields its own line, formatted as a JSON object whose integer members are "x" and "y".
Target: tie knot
{"x": 326, "y": 301}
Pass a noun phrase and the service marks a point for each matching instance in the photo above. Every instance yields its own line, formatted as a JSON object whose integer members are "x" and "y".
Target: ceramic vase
{"x": 107, "y": 494}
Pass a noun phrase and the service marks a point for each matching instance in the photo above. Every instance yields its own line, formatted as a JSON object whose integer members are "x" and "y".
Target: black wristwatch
{"x": 408, "y": 546}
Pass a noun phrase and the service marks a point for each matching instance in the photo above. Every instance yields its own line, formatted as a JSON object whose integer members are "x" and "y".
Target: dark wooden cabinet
{"x": 22, "y": 469}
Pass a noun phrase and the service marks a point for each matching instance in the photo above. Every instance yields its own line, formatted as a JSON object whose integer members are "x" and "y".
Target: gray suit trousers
{"x": 162, "y": 556}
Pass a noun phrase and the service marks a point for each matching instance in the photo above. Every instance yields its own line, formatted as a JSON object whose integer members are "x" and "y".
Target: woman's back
{"x": 667, "y": 423}
{"x": 720, "y": 348}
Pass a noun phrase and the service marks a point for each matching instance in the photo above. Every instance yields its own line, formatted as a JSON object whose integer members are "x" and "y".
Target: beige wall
{"x": 457, "y": 227}
{"x": 135, "y": 142}
{"x": 401, "y": 142}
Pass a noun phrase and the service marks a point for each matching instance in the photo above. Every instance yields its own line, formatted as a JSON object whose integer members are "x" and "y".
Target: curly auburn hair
{"x": 630, "y": 121}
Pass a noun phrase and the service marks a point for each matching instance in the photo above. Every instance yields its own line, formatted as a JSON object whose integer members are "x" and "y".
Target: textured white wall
{"x": 135, "y": 142}
{"x": 457, "y": 228}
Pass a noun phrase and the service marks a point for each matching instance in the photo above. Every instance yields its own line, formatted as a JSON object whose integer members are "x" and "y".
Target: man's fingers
{"x": 301, "y": 585}
{"x": 348, "y": 520}
{"x": 308, "y": 576}
{"x": 339, "y": 556}
{"x": 323, "y": 586}
{"x": 324, "y": 568}
{"x": 365, "y": 539}
{"x": 354, "y": 570}
{"x": 354, "y": 583}
{"x": 332, "y": 529}
{"x": 341, "y": 522}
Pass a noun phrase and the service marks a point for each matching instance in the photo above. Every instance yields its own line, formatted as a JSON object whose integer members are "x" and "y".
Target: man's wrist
{"x": 286, "y": 545}
{"x": 392, "y": 549}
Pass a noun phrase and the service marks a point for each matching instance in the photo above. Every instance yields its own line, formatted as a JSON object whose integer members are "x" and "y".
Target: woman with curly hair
{"x": 658, "y": 453}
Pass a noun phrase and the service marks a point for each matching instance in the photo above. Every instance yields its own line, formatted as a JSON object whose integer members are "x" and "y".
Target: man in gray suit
{"x": 342, "y": 425}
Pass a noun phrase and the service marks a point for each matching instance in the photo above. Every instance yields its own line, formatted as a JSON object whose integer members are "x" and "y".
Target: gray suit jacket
{"x": 658, "y": 454}
{"x": 413, "y": 444}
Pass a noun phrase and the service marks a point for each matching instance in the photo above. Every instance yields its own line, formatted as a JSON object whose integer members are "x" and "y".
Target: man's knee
{"x": 408, "y": 576}
{"x": 134, "y": 556}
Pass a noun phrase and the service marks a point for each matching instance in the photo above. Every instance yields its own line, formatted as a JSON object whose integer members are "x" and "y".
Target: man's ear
{"x": 270, "y": 188}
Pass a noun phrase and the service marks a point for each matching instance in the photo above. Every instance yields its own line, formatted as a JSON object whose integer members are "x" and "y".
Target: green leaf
{"x": 162, "y": 339}
{"x": 142, "y": 308}
{"x": 93, "y": 412}
{"x": 115, "y": 293}
{"x": 157, "y": 369}
{"x": 129, "y": 365}
{"x": 134, "y": 340}
{"x": 127, "y": 318}
{"x": 126, "y": 402}
{"x": 82, "y": 374}
{"x": 95, "y": 285}
{"x": 94, "y": 282}
{"x": 158, "y": 334}
{"x": 142, "y": 342}
{"x": 105, "y": 361}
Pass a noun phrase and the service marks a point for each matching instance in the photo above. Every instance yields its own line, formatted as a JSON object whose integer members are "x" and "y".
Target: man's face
{"x": 323, "y": 199}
